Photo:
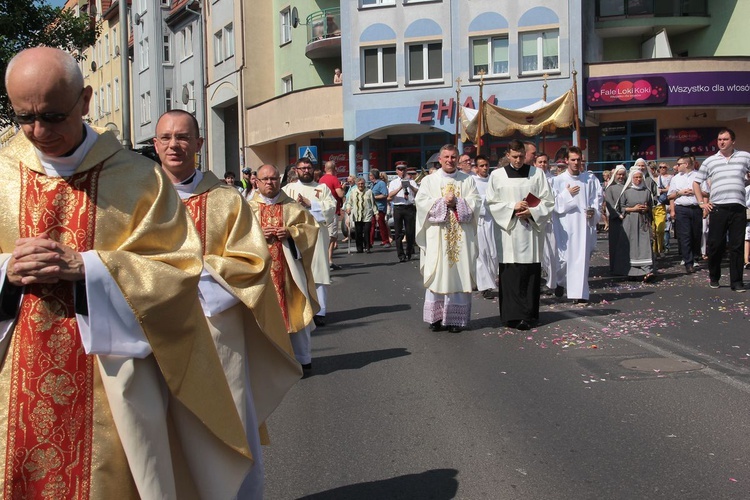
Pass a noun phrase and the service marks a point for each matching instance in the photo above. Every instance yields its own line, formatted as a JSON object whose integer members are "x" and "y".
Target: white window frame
{"x": 191, "y": 96}
{"x": 186, "y": 37}
{"x": 228, "y": 41}
{"x": 370, "y": 4}
{"x": 490, "y": 73}
{"x": 108, "y": 99}
{"x": 95, "y": 104}
{"x": 146, "y": 107}
{"x": 117, "y": 93}
{"x": 115, "y": 41}
{"x": 167, "y": 51}
{"x": 287, "y": 84}
{"x": 285, "y": 26}
{"x": 102, "y": 102}
{"x": 540, "y": 56}
{"x": 380, "y": 82}
{"x": 425, "y": 63}
{"x": 167, "y": 99}
{"x": 106, "y": 48}
{"x": 143, "y": 46}
{"x": 219, "y": 47}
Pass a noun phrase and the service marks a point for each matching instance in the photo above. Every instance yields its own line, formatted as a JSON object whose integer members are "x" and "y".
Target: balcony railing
{"x": 606, "y": 9}
{"x": 324, "y": 24}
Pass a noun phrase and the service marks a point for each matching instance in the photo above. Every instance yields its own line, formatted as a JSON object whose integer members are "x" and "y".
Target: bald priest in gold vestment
{"x": 110, "y": 386}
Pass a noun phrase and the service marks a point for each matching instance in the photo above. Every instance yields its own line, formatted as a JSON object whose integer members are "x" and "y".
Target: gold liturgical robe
{"x": 236, "y": 255}
{"x": 296, "y": 286}
{"x": 121, "y": 206}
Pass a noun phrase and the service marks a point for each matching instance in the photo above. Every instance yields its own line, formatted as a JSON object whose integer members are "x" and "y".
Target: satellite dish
{"x": 117, "y": 50}
{"x": 93, "y": 65}
{"x": 185, "y": 95}
{"x": 295, "y": 17}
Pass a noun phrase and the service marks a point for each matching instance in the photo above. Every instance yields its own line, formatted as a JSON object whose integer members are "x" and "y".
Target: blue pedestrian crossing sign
{"x": 309, "y": 152}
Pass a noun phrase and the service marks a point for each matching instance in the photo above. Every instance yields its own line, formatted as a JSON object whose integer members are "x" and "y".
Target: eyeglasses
{"x": 268, "y": 180}
{"x": 28, "y": 119}
{"x": 181, "y": 139}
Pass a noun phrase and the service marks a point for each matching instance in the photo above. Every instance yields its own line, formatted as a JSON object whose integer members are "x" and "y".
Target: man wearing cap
{"x": 401, "y": 192}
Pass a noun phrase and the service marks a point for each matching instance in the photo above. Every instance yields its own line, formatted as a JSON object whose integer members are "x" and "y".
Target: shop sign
{"x": 427, "y": 109}
{"x": 696, "y": 141}
{"x": 670, "y": 89}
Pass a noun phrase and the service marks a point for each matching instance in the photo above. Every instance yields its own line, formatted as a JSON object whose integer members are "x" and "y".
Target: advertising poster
{"x": 676, "y": 142}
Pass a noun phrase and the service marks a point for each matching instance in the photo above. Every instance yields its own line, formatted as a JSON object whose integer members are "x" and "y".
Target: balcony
{"x": 324, "y": 34}
{"x": 621, "y": 18}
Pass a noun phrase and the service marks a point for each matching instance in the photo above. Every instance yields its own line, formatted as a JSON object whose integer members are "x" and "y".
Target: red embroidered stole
{"x": 196, "y": 207}
{"x": 50, "y": 424}
{"x": 273, "y": 216}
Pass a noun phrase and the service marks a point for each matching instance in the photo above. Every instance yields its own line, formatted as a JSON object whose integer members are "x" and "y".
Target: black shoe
{"x": 714, "y": 284}
{"x": 690, "y": 269}
{"x": 739, "y": 287}
{"x": 545, "y": 290}
{"x": 319, "y": 320}
{"x": 437, "y": 326}
{"x": 523, "y": 325}
{"x": 307, "y": 367}
{"x": 580, "y": 301}
{"x": 487, "y": 294}
{"x": 402, "y": 258}
{"x": 454, "y": 329}
{"x": 559, "y": 291}
{"x": 334, "y": 267}
{"x": 408, "y": 257}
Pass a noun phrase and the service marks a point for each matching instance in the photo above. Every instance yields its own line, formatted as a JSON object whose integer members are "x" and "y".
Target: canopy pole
{"x": 575, "y": 106}
{"x": 458, "y": 108}
{"x": 478, "y": 140}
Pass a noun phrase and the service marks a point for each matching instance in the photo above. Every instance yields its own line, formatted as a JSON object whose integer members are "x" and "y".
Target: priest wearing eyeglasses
{"x": 109, "y": 384}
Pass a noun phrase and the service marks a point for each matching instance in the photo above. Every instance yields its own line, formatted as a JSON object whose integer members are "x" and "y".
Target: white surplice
{"x": 486, "y": 276}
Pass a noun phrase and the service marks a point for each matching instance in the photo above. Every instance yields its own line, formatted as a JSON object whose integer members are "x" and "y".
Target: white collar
{"x": 65, "y": 166}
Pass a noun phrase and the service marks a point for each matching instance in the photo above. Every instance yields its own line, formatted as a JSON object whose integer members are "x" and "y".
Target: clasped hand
{"x": 42, "y": 260}
{"x": 521, "y": 210}
{"x": 450, "y": 200}
{"x": 275, "y": 233}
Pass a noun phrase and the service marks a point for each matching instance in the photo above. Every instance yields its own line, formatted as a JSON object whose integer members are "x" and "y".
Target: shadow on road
{"x": 324, "y": 365}
{"x": 436, "y": 484}
{"x": 364, "y": 312}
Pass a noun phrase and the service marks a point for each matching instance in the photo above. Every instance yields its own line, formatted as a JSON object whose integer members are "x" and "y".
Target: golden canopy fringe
{"x": 503, "y": 122}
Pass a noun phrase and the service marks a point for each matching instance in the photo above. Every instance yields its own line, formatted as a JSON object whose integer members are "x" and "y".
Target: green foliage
{"x": 30, "y": 23}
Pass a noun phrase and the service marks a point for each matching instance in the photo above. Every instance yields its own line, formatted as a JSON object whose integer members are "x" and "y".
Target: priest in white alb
{"x": 486, "y": 248}
{"x": 447, "y": 210}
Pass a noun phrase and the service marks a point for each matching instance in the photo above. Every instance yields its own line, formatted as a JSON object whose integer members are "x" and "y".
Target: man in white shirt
{"x": 688, "y": 215}
{"x": 401, "y": 192}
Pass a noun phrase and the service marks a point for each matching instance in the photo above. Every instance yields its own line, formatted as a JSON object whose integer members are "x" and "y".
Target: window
{"x": 218, "y": 47}
{"x": 286, "y": 26}
{"x": 539, "y": 51}
{"x": 108, "y": 99}
{"x": 117, "y": 93}
{"x": 375, "y": 3}
{"x": 115, "y": 42}
{"x": 491, "y": 55}
{"x": 94, "y": 103}
{"x": 191, "y": 97}
{"x": 106, "y": 48}
{"x": 143, "y": 44}
{"x": 102, "y": 102}
{"x": 146, "y": 107}
{"x": 379, "y": 66}
{"x": 168, "y": 99}
{"x": 164, "y": 3}
{"x": 229, "y": 40}
{"x": 167, "y": 44}
{"x": 286, "y": 84}
{"x": 426, "y": 62}
{"x": 187, "y": 41}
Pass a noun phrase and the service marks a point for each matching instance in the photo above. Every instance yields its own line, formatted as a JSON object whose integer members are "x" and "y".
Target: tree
{"x": 30, "y": 23}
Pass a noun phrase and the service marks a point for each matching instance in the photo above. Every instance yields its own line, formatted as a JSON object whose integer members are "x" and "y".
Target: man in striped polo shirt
{"x": 726, "y": 172}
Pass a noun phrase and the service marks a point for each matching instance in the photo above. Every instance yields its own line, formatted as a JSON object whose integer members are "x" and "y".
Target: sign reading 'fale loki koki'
{"x": 670, "y": 89}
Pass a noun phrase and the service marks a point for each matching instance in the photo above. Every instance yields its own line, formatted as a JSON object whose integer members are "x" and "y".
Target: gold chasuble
{"x": 68, "y": 427}
{"x": 236, "y": 256}
{"x": 295, "y": 291}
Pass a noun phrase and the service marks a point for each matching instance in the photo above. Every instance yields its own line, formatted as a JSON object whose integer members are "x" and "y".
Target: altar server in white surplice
{"x": 487, "y": 258}
{"x": 521, "y": 202}
{"x": 578, "y": 201}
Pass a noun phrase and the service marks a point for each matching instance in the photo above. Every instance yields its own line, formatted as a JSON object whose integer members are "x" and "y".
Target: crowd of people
{"x": 153, "y": 316}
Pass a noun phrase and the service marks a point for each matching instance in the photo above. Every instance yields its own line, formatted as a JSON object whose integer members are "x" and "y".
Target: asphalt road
{"x": 644, "y": 393}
